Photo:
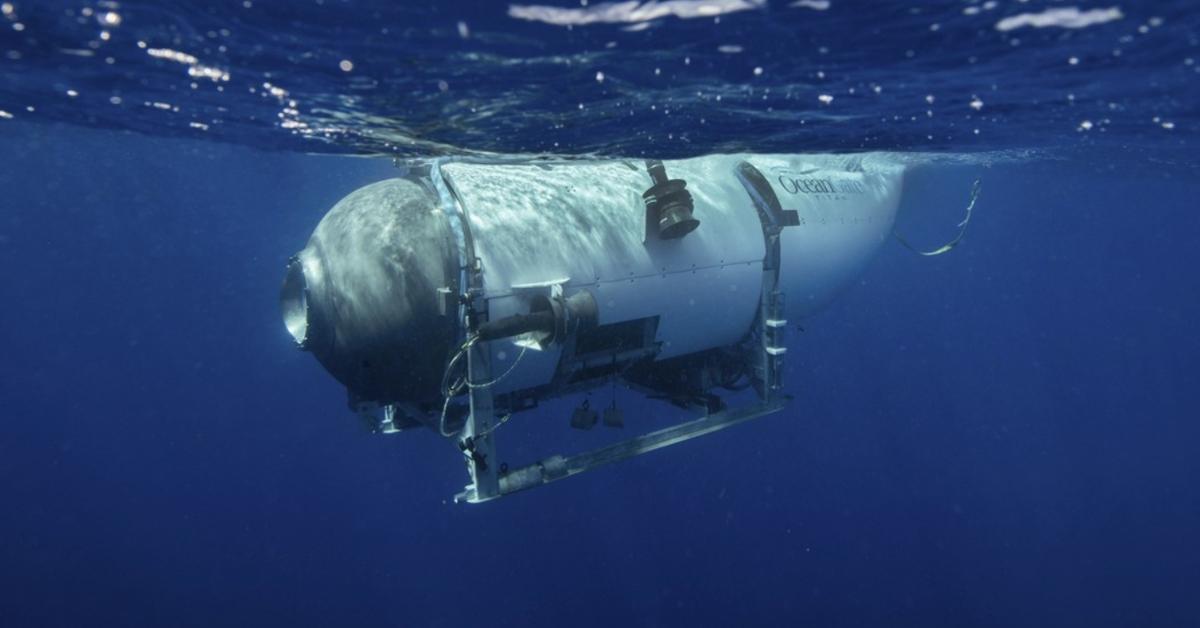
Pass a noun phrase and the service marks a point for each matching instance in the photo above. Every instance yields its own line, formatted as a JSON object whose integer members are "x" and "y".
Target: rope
{"x": 962, "y": 229}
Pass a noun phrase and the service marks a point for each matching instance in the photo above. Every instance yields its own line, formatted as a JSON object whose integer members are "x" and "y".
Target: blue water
{"x": 446, "y": 77}
{"x": 1005, "y": 435}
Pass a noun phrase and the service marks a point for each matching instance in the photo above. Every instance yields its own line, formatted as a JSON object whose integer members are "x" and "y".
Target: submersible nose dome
{"x": 362, "y": 295}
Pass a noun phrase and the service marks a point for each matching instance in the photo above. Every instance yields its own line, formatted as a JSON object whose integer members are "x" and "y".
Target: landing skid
{"x": 559, "y": 467}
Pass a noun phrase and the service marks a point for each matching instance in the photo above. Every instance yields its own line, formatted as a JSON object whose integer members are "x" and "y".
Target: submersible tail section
{"x": 465, "y": 291}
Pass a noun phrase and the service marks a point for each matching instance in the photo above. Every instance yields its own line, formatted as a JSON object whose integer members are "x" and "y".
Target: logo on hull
{"x": 831, "y": 187}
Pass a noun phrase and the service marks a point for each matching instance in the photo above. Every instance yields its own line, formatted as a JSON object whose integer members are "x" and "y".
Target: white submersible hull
{"x": 466, "y": 290}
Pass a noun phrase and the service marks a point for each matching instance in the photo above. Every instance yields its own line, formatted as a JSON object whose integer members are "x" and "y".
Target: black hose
{"x": 516, "y": 325}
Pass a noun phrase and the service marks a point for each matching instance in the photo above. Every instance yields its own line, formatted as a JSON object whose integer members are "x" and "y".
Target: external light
{"x": 669, "y": 205}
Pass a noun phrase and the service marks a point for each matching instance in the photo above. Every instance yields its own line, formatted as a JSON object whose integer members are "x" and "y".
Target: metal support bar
{"x": 479, "y": 439}
{"x": 559, "y": 467}
{"x": 772, "y": 325}
{"x": 768, "y": 371}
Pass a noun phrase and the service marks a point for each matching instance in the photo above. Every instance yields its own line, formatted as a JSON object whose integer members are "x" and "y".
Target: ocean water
{"x": 1004, "y": 435}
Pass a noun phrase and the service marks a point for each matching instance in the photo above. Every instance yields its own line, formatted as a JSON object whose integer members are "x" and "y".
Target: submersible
{"x": 466, "y": 290}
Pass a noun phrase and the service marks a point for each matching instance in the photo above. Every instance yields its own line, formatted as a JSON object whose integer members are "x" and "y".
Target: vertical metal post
{"x": 478, "y": 442}
{"x": 774, "y": 326}
{"x": 771, "y": 323}
{"x": 478, "y": 430}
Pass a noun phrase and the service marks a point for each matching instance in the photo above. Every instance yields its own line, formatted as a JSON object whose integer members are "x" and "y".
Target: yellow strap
{"x": 962, "y": 229}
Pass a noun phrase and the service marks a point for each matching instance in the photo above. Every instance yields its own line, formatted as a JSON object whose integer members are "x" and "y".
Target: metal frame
{"x": 478, "y": 443}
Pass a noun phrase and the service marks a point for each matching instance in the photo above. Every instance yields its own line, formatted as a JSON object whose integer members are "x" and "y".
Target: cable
{"x": 442, "y": 421}
{"x": 520, "y": 355}
{"x": 452, "y": 390}
{"x": 495, "y": 425}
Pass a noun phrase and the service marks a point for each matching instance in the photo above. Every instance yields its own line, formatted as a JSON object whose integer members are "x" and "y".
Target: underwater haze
{"x": 1003, "y": 435}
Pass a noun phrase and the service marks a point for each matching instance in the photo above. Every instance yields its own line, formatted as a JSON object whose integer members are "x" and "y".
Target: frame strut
{"x": 560, "y": 467}
{"x": 478, "y": 441}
